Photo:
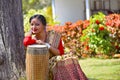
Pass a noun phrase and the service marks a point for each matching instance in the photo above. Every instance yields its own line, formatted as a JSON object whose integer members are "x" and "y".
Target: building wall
{"x": 69, "y": 10}
{"x": 106, "y": 6}
{"x": 73, "y": 10}
{"x": 115, "y": 4}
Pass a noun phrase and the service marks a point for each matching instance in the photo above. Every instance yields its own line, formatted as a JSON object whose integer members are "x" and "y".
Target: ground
{"x": 101, "y": 69}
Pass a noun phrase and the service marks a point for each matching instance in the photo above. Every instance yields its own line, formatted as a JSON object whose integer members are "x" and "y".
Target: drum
{"x": 37, "y": 61}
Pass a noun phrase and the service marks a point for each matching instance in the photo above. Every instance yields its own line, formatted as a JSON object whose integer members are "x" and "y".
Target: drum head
{"x": 37, "y": 49}
{"x": 37, "y": 46}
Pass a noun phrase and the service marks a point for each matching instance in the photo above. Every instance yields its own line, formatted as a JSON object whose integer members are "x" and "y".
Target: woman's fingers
{"x": 39, "y": 42}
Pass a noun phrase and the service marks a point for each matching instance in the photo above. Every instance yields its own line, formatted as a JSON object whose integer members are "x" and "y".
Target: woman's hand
{"x": 40, "y": 42}
{"x": 28, "y": 33}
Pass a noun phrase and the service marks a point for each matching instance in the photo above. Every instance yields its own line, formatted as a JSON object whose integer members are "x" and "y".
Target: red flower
{"x": 97, "y": 22}
{"x": 116, "y": 47}
{"x": 101, "y": 28}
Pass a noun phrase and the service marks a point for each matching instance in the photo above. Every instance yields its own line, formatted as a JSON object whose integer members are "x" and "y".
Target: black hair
{"x": 39, "y": 17}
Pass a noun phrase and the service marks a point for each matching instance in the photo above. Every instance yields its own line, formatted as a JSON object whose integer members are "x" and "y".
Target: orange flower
{"x": 87, "y": 47}
{"x": 68, "y": 23}
{"x": 93, "y": 30}
{"x": 86, "y": 23}
{"x": 79, "y": 22}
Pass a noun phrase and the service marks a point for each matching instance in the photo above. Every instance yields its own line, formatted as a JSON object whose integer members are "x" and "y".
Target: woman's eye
{"x": 37, "y": 24}
{"x": 31, "y": 24}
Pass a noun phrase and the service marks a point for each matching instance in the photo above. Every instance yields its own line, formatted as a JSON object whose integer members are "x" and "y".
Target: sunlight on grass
{"x": 101, "y": 69}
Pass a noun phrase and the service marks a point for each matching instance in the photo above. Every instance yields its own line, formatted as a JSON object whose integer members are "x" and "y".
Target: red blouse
{"x": 61, "y": 48}
{"x": 28, "y": 41}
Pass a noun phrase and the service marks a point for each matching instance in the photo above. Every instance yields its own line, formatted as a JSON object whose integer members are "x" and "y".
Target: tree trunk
{"x": 11, "y": 36}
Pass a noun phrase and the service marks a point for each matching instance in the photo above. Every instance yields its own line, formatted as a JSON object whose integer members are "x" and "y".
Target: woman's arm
{"x": 28, "y": 39}
{"x": 54, "y": 51}
{"x": 59, "y": 50}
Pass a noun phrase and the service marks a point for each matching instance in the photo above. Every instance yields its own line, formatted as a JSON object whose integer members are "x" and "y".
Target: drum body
{"x": 37, "y": 61}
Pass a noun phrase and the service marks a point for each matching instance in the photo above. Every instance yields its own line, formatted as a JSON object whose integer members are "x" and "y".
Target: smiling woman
{"x": 38, "y": 29}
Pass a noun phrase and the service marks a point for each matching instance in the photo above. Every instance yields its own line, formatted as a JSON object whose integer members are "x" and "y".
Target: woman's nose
{"x": 34, "y": 26}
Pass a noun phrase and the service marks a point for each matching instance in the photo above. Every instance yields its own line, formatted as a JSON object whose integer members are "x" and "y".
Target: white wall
{"x": 69, "y": 10}
{"x": 73, "y": 10}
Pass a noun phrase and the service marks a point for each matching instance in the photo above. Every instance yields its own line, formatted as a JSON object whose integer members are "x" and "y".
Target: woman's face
{"x": 36, "y": 26}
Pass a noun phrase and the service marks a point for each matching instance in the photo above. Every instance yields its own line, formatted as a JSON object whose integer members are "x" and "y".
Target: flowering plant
{"x": 96, "y": 37}
{"x": 99, "y": 35}
{"x": 112, "y": 22}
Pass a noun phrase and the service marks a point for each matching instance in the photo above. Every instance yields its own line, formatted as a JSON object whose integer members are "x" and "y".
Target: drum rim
{"x": 42, "y": 49}
{"x": 37, "y": 45}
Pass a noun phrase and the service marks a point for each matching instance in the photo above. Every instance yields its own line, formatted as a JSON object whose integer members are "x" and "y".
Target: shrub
{"x": 98, "y": 36}
{"x": 112, "y": 22}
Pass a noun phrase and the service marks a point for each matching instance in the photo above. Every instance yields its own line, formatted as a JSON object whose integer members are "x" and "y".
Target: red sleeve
{"x": 61, "y": 48}
{"x": 28, "y": 41}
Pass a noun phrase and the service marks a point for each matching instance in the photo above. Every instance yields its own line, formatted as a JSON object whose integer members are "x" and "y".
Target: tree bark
{"x": 12, "y": 55}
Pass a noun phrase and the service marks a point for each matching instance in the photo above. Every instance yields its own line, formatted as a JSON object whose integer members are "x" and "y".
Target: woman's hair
{"x": 39, "y": 17}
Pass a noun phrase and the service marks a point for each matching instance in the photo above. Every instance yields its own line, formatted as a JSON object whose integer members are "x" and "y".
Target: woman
{"x": 38, "y": 28}
{"x": 58, "y": 67}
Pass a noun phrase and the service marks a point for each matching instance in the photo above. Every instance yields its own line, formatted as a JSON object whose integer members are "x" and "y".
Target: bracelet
{"x": 48, "y": 45}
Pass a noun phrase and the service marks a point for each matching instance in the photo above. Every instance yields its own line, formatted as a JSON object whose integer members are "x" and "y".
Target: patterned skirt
{"x": 65, "y": 67}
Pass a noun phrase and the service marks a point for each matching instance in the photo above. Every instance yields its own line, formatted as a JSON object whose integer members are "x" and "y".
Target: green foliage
{"x": 97, "y": 35}
{"x": 34, "y": 4}
{"x": 47, "y": 12}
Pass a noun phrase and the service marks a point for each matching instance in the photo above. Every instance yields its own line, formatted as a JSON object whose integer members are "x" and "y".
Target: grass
{"x": 101, "y": 69}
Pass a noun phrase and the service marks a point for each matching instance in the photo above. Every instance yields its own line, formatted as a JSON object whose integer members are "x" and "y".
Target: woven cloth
{"x": 53, "y": 38}
{"x": 65, "y": 67}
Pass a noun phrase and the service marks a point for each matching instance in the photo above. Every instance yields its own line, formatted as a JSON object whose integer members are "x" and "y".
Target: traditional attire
{"x": 64, "y": 66}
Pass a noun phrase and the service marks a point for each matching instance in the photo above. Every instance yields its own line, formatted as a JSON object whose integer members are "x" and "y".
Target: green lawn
{"x": 101, "y": 69}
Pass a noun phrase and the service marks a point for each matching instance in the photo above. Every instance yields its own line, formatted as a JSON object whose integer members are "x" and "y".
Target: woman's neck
{"x": 41, "y": 36}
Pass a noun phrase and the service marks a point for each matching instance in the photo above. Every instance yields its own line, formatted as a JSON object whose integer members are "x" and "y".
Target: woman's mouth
{"x": 34, "y": 30}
